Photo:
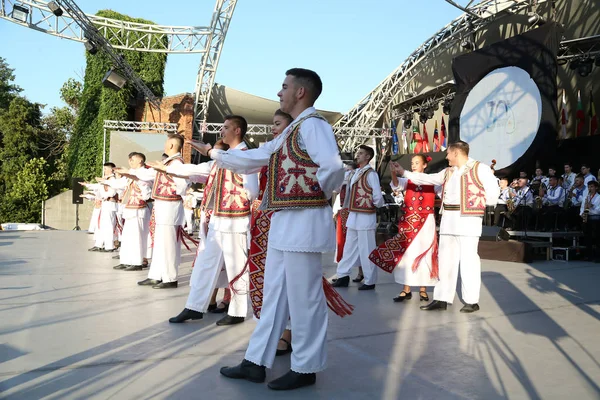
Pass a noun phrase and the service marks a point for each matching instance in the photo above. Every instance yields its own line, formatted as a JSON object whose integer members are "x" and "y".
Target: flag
{"x": 436, "y": 138}
{"x": 593, "y": 116}
{"x": 443, "y": 135}
{"x": 580, "y": 115}
{"x": 425, "y": 140}
{"x": 394, "y": 139}
{"x": 404, "y": 141}
{"x": 415, "y": 143}
{"x": 564, "y": 116}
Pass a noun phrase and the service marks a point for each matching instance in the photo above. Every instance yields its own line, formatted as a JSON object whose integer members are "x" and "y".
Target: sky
{"x": 353, "y": 45}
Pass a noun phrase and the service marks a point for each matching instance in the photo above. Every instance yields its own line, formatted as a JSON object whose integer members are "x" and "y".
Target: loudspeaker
{"x": 77, "y": 190}
{"x": 494, "y": 234}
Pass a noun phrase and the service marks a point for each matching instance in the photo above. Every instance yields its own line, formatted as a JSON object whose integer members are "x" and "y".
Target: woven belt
{"x": 452, "y": 207}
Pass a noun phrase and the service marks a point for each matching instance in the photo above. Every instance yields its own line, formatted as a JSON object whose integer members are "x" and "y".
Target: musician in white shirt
{"x": 574, "y": 200}
{"x": 591, "y": 222}
{"x": 552, "y": 210}
{"x": 523, "y": 200}
{"x": 501, "y": 207}
{"x": 568, "y": 177}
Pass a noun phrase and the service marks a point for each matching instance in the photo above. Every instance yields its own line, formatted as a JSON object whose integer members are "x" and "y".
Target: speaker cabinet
{"x": 77, "y": 190}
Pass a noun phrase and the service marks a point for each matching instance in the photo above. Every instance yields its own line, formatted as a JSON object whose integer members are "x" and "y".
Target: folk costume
{"x": 467, "y": 191}
{"x": 341, "y": 217}
{"x": 363, "y": 196}
{"x": 108, "y": 217}
{"x": 229, "y": 196}
{"x": 188, "y": 209}
{"x": 136, "y": 216}
{"x": 304, "y": 169}
{"x": 166, "y": 219}
{"x": 412, "y": 255}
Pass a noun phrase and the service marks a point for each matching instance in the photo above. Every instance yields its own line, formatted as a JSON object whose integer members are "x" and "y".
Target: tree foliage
{"x": 23, "y": 202}
{"x": 8, "y": 90}
{"x": 98, "y": 103}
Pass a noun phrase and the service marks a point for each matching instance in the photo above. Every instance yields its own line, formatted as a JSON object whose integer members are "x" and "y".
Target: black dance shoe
{"x": 367, "y": 287}
{"x": 185, "y": 315}
{"x": 341, "y": 282}
{"x": 229, "y": 320}
{"x": 134, "y": 268}
{"x": 469, "y": 308}
{"x": 400, "y": 298}
{"x": 246, "y": 370}
{"x": 165, "y": 285}
{"x": 293, "y": 380}
{"x": 121, "y": 266}
{"x": 149, "y": 282}
{"x": 435, "y": 305}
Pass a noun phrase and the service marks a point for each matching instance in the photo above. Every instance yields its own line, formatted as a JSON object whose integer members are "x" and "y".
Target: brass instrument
{"x": 539, "y": 200}
{"x": 586, "y": 210}
{"x": 510, "y": 205}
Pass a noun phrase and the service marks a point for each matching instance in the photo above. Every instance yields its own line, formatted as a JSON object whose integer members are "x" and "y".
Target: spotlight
{"x": 585, "y": 67}
{"x": 574, "y": 64}
{"x": 90, "y": 47}
{"x": 407, "y": 123}
{"x": 55, "y": 8}
{"x": 20, "y": 13}
{"x": 465, "y": 44}
{"x": 535, "y": 19}
{"x": 423, "y": 118}
{"x": 113, "y": 80}
{"x": 252, "y": 140}
{"x": 430, "y": 113}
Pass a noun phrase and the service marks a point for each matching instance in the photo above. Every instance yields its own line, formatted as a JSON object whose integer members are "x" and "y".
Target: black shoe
{"x": 221, "y": 310}
{"x": 292, "y": 380}
{"x": 367, "y": 287}
{"x": 400, "y": 298}
{"x": 121, "y": 266}
{"x": 185, "y": 315}
{"x": 287, "y": 350}
{"x": 229, "y": 320}
{"x": 95, "y": 249}
{"x": 165, "y": 285}
{"x": 116, "y": 257}
{"x": 469, "y": 308}
{"x": 435, "y": 305}
{"x": 134, "y": 268}
{"x": 359, "y": 278}
{"x": 212, "y": 307}
{"x": 342, "y": 282}
{"x": 423, "y": 296}
{"x": 107, "y": 251}
{"x": 246, "y": 370}
{"x": 149, "y": 282}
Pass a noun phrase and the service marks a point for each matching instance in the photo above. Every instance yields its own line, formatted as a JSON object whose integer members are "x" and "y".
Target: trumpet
{"x": 586, "y": 210}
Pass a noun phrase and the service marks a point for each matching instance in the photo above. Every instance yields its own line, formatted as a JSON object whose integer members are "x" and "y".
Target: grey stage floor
{"x": 73, "y": 328}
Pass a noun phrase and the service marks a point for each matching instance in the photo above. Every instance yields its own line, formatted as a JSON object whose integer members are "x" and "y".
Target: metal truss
{"x": 369, "y": 110}
{"x": 122, "y": 35}
{"x": 430, "y": 99}
{"x": 158, "y": 127}
{"x": 207, "y": 70}
{"x": 579, "y": 48}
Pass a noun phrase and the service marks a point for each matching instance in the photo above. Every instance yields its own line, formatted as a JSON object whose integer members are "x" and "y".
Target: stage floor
{"x": 72, "y": 327}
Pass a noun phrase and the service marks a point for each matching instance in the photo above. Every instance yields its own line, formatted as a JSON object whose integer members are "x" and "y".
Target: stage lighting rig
{"x": 466, "y": 44}
{"x": 94, "y": 36}
{"x": 536, "y": 19}
{"x": 20, "y": 13}
{"x": 55, "y": 8}
{"x": 585, "y": 67}
{"x": 90, "y": 47}
{"x": 407, "y": 123}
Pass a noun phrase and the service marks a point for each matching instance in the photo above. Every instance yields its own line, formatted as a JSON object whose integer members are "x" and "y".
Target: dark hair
{"x": 593, "y": 183}
{"x": 309, "y": 80}
{"x": 284, "y": 115}
{"x": 109, "y": 164}
{"x": 569, "y": 164}
{"x": 369, "y": 151}
{"x": 165, "y": 155}
{"x": 422, "y": 156}
{"x": 140, "y": 155}
{"x": 133, "y": 153}
{"x": 461, "y": 146}
{"x": 240, "y": 122}
{"x": 177, "y": 138}
{"x": 552, "y": 167}
{"x": 504, "y": 178}
{"x": 585, "y": 166}
{"x": 553, "y": 177}
{"x": 579, "y": 176}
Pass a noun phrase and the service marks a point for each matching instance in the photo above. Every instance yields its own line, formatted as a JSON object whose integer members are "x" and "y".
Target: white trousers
{"x": 134, "y": 240}
{"x": 358, "y": 247}
{"x": 166, "y": 254}
{"x": 189, "y": 224}
{"x": 293, "y": 289}
{"x": 458, "y": 252}
{"x": 106, "y": 235}
{"x": 221, "y": 247}
{"x": 94, "y": 220}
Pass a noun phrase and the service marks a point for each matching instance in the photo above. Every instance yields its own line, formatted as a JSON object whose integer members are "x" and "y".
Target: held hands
{"x": 397, "y": 168}
{"x": 203, "y": 148}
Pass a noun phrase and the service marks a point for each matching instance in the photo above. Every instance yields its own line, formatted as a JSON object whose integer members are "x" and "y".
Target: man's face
{"x": 452, "y": 156}
{"x": 578, "y": 182}
{"x": 585, "y": 170}
{"x": 592, "y": 190}
{"x": 229, "y": 132}
{"x": 522, "y": 182}
{"x": 107, "y": 171}
{"x": 287, "y": 94}
{"x": 567, "y": 169}
{"x": 135, "y": 162}
{"x": 553, "y": 182}
{"x": 538, "y": 172}
{"x": 551, "y": 171}
{"x": 361, "y": 157}
{"x": 503, "y": 183}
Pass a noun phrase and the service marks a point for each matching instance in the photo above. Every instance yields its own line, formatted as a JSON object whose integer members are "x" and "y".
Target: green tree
{"x": 8, "y": 90}
{"x": 70, "y": 93}
{"x": 23, "y": 202}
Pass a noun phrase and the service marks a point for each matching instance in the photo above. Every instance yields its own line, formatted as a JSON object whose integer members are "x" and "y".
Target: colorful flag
{"x": 404, "y": 141}
{"x": 436, "y": 138}
{"x": 443, "y": 135}
{"x": 564, "y": 116}
{"x": 415, "y": 143}
{"x": 394, "y": 139}
{"x": 580, "y": 115}
{"x": 425, "y": 139}
{"x": 593, "y": 116}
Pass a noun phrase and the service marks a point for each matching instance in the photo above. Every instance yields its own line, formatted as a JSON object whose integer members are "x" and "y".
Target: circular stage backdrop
{"x": 501, "y": 116}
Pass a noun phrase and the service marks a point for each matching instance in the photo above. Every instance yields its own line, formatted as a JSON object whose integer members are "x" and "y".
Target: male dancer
{"x": 167, "y": 192}
{"x": 468, "y": 187}
{"x": 229, "y": 196}
{"x": 304, "y": 169}
{"x": 362, "y": 198}
{"x": 105, "y": 240}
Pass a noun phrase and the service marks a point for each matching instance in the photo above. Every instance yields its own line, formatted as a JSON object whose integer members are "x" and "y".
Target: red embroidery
{"x": 361, "y": 195}
{"x": 164, "y": 187}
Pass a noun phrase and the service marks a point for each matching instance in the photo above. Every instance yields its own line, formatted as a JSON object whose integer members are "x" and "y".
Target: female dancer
{"x": 412, "y": 253}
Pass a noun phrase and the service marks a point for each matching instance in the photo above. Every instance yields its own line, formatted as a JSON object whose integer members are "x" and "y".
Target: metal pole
{"x": 104, "y": 148}
{"x": 77, "y": 228}
{"x": 43, "y": 213}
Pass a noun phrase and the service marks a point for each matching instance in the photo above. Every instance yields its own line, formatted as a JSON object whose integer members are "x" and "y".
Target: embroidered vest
{"x": 472, "y": 192}
{"x": 292, "y": 177}
{"x": 133, "y": 197}
{"x": 262, "y": 182}
{"x": 419, "y": 199}
{"x": 225, "y": 194}
{"x": 361, "y": 195}
{"x": 164, "y": 188}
